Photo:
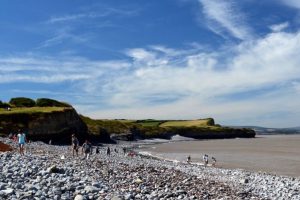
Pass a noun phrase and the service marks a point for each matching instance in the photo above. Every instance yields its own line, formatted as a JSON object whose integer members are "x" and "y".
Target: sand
{"x": 278, "y": 154}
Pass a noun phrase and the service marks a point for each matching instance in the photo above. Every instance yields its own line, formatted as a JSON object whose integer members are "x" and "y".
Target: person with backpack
{"x": 87, "y": 149}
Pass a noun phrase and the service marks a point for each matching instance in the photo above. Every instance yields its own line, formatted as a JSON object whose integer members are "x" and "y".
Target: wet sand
{"x": 278, "y": 154}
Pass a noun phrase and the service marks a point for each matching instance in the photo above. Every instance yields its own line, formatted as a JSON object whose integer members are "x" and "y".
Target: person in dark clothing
{"x": 214, "y": 161}
{"x": 87, "y": 149}
{"x": 188, "y": 159}
{"x": 75, "y": 145}
{"x": 97, "y": 150}
{"x": 108, "y": 151}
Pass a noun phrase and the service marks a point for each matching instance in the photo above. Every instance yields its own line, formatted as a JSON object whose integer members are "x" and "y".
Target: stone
{"x": 116, "y": 198}
{"x": 97, "y": 185}
{"x": 138, "y": 180}
{"x": 7, "y": 191}
{"x": 244, "y": 181}
{"x": 91, "y": 189}
{"x": 79, "y": 197}
{"x": 55, "y": 169}
{"x": 128, "y": 196}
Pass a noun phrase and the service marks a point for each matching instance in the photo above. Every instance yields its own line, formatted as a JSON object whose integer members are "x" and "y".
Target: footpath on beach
{"x": 50, "y": 172}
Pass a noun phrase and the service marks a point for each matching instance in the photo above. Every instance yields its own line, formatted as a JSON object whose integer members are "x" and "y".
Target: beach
{"x": 50, "y": 172}
{"x": 278, "y": 154}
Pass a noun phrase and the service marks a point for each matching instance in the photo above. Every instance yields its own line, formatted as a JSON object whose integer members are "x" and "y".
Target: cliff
{"x": 146, "y": 129}
{"x": 58, "y": 123}
{"x": 44, "y": 124}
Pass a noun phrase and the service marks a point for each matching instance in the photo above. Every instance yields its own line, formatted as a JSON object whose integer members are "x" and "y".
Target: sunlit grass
{"x": 185, "y": 123}
{"x": 32, "y": 110}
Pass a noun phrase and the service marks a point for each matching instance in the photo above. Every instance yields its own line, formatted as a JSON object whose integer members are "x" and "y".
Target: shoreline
{"x": 122, "y": 177}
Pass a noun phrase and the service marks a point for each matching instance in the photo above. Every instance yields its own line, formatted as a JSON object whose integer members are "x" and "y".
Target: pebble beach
{"x": 51, "y": 172}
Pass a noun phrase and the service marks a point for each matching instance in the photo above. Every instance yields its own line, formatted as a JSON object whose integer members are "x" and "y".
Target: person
{"x": 75, "y": 145}
{"x": 205, "y": 160}
{"x": 214, "y": 161}
{"x": 97, "y": 150}
{"x": 50, "y": 142}
{"x": 124, "y": 150}
{"x": 131, "y": 153}
{"x": 86, "y": 149}
{"x": 21, "y": 140}
{"x": 15, "y": 137}
{"x": 188, "y": 159}
{"x": 108, "y": 151}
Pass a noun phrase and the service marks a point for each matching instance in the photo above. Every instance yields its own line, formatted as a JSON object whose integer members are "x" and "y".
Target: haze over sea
{"x": 277, "y": 154}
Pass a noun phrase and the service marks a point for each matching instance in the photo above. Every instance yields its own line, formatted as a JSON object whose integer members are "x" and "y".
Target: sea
{"x": 275, "y": 154}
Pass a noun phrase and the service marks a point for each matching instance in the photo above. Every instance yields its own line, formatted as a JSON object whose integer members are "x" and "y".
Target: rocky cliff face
{"x": 224, "y": 133}
{"x": 56, "y": 126}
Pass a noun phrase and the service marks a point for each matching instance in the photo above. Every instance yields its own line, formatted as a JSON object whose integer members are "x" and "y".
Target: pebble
{"x": 44, "y": 175}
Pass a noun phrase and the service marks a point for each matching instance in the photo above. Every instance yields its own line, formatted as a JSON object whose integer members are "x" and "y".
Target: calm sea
{"x": 278, "y": 154}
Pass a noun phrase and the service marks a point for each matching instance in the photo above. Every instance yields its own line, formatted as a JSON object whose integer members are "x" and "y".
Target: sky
{"x": 237, "y": 61}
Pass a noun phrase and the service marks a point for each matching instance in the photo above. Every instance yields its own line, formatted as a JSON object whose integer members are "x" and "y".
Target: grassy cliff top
{"x": 31, "y": 110}
{"x": 186, "y": 123}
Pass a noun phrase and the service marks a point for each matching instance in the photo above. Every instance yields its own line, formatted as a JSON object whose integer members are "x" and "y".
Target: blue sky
{"x": 236, "y": 61}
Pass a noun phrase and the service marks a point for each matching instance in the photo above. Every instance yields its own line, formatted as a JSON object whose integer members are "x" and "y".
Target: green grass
{"x": 149, "y": 123}
{"x": 155, "y": 124}
{"x": 111, "y": 126}
{"x": 31, "y": 110}
{"x": 186, "y": 123}
{"x": 125, "y": 120}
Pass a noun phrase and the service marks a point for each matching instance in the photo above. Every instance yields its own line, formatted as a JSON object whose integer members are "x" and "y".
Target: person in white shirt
{"x": 21, "y": 141}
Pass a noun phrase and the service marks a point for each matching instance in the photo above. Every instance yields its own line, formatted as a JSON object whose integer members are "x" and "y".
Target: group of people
{"x": 86, "y": 148}
{"x": 205, "y": 160}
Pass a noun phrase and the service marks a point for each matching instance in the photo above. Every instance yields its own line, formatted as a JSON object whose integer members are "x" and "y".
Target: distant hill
{"x": 271, "y": 131}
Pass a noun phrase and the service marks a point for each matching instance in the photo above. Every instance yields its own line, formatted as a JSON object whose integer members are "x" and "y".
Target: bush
{"x": 44, "y": 102}
{"x": 22, "y": 102}
{"x": 5, "y": 105}
{"x": 210, "y": 122}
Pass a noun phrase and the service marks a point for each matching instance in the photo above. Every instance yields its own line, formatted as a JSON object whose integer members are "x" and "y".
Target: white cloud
{"x": 224, "y": 16}
{"x": 67, "y": 18}
{"x": 203, "y": 80}
{"x": 54, "y": 70}
{"x": 279, "y": 27}
{"x": 101, "y": 12}
{"x": 292, "y": 3}
{"x": 160, "y": 82}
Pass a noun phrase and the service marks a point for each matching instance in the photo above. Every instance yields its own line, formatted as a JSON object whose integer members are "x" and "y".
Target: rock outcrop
{"x": 44, "y": 126}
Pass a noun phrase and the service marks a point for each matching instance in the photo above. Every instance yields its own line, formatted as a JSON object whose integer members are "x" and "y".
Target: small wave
{"x": 181, "y": 138}
{"x": 147, "y": 153}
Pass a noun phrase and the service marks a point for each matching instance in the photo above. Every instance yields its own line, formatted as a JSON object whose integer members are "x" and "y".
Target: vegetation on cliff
{"x": 23, "y": 102}
{"x": 142, "y": 129}
{"x": 51, "y": 120}
{"x": 46, "y": 119}
{"x": 31, "y": 110}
